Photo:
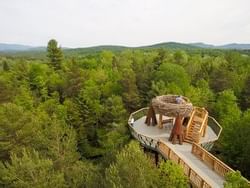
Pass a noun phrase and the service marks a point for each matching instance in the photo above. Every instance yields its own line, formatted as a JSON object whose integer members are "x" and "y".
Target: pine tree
{"x": 6, "y": 66}
{"x": 131, "y": 169}
{"x": 29, "y": 170}
{"x": 54, "y": 53}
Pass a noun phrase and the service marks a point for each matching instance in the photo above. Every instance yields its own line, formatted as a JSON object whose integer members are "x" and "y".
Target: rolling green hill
{"x": 40, "y": 52}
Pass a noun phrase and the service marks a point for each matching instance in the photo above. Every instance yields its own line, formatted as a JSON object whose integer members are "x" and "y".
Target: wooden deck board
{"x": 183, "y": 151}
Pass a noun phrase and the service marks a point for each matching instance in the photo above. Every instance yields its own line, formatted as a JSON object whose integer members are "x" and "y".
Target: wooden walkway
{"x": 203, "y": 169}
{"x": 182, "y": 151}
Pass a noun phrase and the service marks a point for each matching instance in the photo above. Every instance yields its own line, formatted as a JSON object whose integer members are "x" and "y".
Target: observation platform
{"x": 203, "y": 169}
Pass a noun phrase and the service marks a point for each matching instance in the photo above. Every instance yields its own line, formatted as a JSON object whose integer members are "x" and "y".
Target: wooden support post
{"x": 160, "y": 122}
{"x": 169, "y": 153}
{"x": 151, "y": 116}
{"x": 156, "y": 158}
{"x": 202, "y": 183}
{"x": 203, "y": 156}
{"x": 189, "y": 172}
{"x": 214, "y": 164}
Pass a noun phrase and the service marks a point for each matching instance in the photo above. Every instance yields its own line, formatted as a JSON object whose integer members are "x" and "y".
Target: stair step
{"x": 187, "y": 139}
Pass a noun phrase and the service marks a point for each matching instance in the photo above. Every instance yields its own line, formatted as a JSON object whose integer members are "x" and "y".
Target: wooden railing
{"x": 213, "y": 162}
{"x": 194, "y": 177}
{"x": 204, "y": 125}
{"x": 189, "y": 122}
{"x": 210, "y": 160}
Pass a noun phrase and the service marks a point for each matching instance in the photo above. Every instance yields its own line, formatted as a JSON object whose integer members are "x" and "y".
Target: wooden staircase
{"x": 197, "y": 125}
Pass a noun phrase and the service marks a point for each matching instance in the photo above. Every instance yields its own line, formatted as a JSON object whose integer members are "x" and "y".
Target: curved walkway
{"x": 203, "y": 175}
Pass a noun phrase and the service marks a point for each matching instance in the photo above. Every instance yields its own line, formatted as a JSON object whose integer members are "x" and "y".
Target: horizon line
{"x": 126, "y": 46}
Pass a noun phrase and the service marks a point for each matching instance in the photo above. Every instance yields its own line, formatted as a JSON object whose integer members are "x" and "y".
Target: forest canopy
{"x": 63, "y": 119}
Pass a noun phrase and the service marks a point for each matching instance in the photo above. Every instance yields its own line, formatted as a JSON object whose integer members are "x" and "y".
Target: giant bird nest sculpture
{"x": 168, "y": 105}
{"x": 172, "y": 105}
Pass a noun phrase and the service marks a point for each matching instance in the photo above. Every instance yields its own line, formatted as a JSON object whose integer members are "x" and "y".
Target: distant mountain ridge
{"x": 14, "y": 47}
{"x": 4, "y": 47}
{"x": 236, "y": 46}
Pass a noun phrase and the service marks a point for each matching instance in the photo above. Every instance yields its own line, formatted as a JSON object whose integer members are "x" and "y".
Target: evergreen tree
{"x": 131, "y": 169}
{"x": 18, "y": 128}
{"x": 30, "y": 170}
{"x": 6, "y": 66}
{"x": 245, "y": 95}
{"x": 237, "y": 146}
{"x": 54, "y": 53}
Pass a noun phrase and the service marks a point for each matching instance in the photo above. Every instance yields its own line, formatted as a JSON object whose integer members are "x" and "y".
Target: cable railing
{"x": 143, "y": 139}
{"x": 215, "y": 126}
{"x": 137, "y": 115}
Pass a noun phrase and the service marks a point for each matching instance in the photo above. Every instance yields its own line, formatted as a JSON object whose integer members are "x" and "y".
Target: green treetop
{"x": 54, "y": 53}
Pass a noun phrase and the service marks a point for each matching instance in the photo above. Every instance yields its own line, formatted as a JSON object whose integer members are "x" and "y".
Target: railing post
{"x": 193, "y": 147}
{"x": 203, "y": 156}
{"x": 205, "y": 128}
{"x": 160, "y": 121}
{"x": 189, "y": 172}
{"x": 214, "y": 164}
{"x": 202, "y": 183}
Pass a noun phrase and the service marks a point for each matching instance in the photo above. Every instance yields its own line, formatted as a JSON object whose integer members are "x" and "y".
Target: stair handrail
{"x": 190, "y": 120}
{"x": 203, "y": 125}
{"x": 203, "y": 122}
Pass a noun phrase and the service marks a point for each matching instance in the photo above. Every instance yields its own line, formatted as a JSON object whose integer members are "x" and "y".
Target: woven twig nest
{"x": 167, "y": 105}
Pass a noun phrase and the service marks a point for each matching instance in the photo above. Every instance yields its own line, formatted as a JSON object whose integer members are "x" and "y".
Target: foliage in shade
{"x": 30, "y": 170}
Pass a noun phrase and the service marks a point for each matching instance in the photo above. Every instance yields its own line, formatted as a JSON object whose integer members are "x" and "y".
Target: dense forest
{"x": 63, "y": 118}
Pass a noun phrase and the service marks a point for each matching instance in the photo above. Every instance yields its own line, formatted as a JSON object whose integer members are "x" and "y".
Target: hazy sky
{"x": 76, "y": 23}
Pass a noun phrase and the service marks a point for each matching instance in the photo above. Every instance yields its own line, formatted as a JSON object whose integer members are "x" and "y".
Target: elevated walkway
{"x": 203, "y": 169}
